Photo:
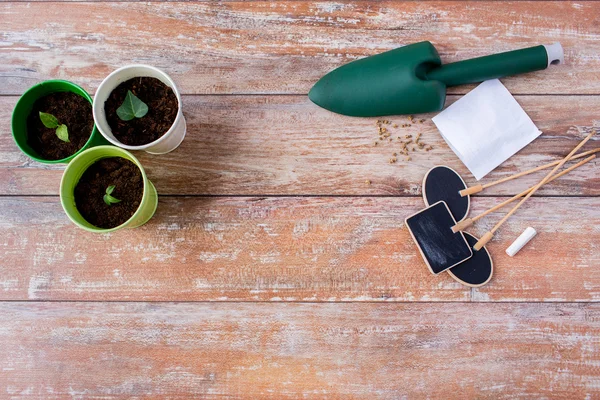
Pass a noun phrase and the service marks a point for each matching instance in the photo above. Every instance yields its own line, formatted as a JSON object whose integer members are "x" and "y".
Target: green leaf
{"x": 63, "y": 133}
{"x": 132, "y": 107}
{"x": 48, "y": 120}
{"x": 108, "y": 199}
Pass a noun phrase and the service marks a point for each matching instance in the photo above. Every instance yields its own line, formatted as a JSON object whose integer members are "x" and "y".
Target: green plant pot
{"x": 24, "y": 107}
{"x": 80, "y": 164}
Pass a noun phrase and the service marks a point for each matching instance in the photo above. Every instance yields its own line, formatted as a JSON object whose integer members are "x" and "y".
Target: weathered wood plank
{"x": 281, "y": 351}
{"x": 284, "y": 47}
{"x": 285, "y": 145}
{"x": 288, "y": 249}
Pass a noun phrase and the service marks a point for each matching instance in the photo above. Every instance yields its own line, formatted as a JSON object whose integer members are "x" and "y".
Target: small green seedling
{"x": 132, "y": 107}
{"x": 51, "y": 122}
{"x": 108, "y": 199}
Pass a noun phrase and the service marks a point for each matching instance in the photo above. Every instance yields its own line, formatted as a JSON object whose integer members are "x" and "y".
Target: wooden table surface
{"x": 272, "y": 269}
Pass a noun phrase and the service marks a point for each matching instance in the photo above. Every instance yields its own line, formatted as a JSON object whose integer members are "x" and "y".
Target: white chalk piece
{"x": 521, "y": 241}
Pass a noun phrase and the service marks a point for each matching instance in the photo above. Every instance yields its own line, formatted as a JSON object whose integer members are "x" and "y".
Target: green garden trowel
{"x": 412, "y": 79}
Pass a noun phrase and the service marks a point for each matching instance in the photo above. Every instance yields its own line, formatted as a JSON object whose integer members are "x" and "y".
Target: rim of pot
{"x": 105, "y": 83}
{"x": 72, "y": 164}
{"x": 23, "y": 98}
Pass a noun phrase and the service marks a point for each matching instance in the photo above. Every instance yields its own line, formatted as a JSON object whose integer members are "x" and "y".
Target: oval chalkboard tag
{"x": 442, "y": 183}
{"x": 477, "y": 270}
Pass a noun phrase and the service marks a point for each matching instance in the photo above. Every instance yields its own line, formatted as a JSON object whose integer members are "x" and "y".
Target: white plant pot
{"x": 164, "y": 144}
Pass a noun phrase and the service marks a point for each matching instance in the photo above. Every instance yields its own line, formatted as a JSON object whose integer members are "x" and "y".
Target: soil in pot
{"x": 70, "y": 109}
{"x": 127, "y": 179}
{"x": 162, "y": 110}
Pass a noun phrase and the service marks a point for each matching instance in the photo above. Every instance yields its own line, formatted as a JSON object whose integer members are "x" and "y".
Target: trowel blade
{"x": 389, "y": 83}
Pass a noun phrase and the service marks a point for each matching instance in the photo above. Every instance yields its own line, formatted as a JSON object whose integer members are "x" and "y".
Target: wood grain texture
{"x": 288, "y": 249}
{"x": 281, "y": 351}
{"x": 286, "y": 145}
{"x": 284, "y": 47}
{"x": 295, "y": 296}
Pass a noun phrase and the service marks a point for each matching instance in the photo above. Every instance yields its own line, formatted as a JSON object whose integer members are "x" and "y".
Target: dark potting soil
{"x": 90, "y": 190}
{"x": 70, "y": 109}
{"x": 162, "y": 110}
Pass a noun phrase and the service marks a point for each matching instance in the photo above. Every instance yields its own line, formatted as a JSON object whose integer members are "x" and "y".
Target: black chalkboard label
{"x": 443, "y": 183}
{"x": 431, "y": 229}
{"x": 477, "y": 270}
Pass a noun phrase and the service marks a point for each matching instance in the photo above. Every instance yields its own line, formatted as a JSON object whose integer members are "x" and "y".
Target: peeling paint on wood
{"x": 284, "y": 46}
{"x": 349, "y": 252}
{"x": 281, "y": 351}
{"x": 289, "y": 249}
{"x": 286, "y": 145}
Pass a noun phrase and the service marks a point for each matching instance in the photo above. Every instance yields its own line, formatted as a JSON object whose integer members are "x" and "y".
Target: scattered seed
{"x": 368, "y": 182}
{"x": 404, "y": 140}
{"x": 408, "y": 158}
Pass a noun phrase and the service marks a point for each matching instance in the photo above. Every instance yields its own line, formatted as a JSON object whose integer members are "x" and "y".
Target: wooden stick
{"x": 489, "y": 235}
{"x": 479, "y": 188}
{"x": 465, "y": 223}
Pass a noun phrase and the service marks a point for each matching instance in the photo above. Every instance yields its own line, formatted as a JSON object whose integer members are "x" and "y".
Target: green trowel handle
{"x": 491, "y": 67}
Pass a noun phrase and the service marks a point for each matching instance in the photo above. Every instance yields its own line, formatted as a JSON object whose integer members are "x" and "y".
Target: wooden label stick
{"x": 479, "y": 188}
{"x": 467, "y": 222}
{"x": 488, "y": 236}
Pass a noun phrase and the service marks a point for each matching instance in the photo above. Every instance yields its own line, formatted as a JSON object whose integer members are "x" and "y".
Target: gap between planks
{"x": 334, "y": 196}
{"x": 340, "y": 302}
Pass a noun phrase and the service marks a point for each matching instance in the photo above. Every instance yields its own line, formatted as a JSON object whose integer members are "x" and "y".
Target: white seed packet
{"x": 485, "y": 127}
